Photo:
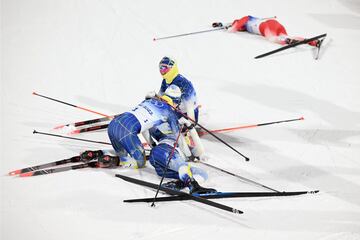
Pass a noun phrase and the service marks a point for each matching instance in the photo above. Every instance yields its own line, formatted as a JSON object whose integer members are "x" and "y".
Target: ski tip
{"x": 28, "y": 174}
{"x": 58, "y": 127}
{"x": 236, "y": 211}
{"x": 154, "y": 39}
{"x": 247, "y": 159}
{"x": 313, "y": 192}
{"x": 13, "y": 173}
{"x": 302, "y": 118}
{"x": 77, "y": 131}
{"x": 34, "y": 131}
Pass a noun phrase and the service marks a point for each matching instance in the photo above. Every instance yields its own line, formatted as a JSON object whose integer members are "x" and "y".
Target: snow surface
{"x": 100, "y": 55}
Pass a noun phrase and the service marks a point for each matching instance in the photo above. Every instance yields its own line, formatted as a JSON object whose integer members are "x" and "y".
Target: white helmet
{"x": 173, "y": 92}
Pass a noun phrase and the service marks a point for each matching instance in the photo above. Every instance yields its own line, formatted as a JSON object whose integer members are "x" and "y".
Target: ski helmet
{"x": 172, "y": 95}
{"x": 168, "y": 69}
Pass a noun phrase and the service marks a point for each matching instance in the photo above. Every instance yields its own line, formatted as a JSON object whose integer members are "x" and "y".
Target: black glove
{"x": 186, "y": 128}
{"x": 192, "y": 158}
{"x": 217, "y": 24}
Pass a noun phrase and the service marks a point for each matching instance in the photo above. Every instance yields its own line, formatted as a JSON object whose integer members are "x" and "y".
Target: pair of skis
{"x": 176, "y": 195}
{"x": 305, "y": 41}
{"x": 43, "y": 169}
{"x": 203, "y": 198}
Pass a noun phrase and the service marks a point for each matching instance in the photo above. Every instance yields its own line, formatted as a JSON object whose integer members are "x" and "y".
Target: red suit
{"x": 267, "y": 27}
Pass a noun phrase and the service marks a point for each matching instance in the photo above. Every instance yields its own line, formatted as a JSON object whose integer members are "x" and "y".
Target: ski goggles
{"x": 165, "y": 65}
{"x": 164, "y": 69}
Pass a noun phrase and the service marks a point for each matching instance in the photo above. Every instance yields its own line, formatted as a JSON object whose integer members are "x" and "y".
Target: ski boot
{"x": 195, "y": 188}
{"x": 107, "y": 161}
{"x": 90, "y": 155}
{"x": 175, "y": 184}
{"x": 290, "y": 41}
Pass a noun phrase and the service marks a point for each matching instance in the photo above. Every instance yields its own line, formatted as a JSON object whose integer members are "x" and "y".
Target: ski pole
{"x": 167, "y": 166}
{"x": 238, "y": 176}
{"x": 72, "y": 105}
{"x": 219, "y": 139}
{"x": 206, "y": 130}
{"x": 77, "y": 139}
{"x": 201, "y": 133}
{"x": 61, "y": 136}
{"x": 190, "y": 33}
{"x": 266, "y": 18}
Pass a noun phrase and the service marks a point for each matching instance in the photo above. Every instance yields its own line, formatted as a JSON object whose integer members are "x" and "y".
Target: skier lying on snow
{"x": 267, "y": 27}
{"x": 153, "y": 117}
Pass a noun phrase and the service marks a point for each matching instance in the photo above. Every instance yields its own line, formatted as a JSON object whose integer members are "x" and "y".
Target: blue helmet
{"x": 168, "y": 69}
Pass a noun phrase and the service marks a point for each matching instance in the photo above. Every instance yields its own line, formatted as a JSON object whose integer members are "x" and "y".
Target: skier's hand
{"x": 185, "y": 122}
{"x": 151, "y": 94}
{"x": 187, "y": 125}
{"x": 217, "y": 24}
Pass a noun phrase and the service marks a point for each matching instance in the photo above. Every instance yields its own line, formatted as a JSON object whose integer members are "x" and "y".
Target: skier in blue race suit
{"x": 151, "y": 114}
{"x": 170, "y": 73}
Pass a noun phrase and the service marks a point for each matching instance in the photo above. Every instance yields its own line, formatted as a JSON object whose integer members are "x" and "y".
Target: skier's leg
{"x": 123, "y": 131}
{"x": 177, "y": 169}
{"x": 274, "y": 31}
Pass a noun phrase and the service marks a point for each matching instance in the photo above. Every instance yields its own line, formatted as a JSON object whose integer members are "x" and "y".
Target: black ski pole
{"x": 238, "y": 176}
{"x": 212, "y": 134}
{"x": 207, "y": 130}
{"x": 166, "y": 167}
{"x": 61, "y": 136}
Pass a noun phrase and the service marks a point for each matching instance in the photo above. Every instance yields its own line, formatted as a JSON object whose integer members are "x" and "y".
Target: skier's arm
{"x": 148, "y": 138}
{"x": 198, "y": 149}
{"x": 162, "y": 88}
{"x": 190, "y": 109}
{"x": 239, "y": 24}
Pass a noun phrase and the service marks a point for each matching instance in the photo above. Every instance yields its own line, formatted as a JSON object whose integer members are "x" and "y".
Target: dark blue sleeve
{"x": 174, "y": 124}
{"x": 163, "y": 87}
{"x": 188, "y": 90}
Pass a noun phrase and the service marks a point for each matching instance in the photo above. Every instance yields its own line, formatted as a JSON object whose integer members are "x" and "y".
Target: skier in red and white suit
{"x": 270, "y": 28}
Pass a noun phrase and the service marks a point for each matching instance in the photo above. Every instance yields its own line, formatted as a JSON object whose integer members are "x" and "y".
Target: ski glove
{"x": 187, "y": 125}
